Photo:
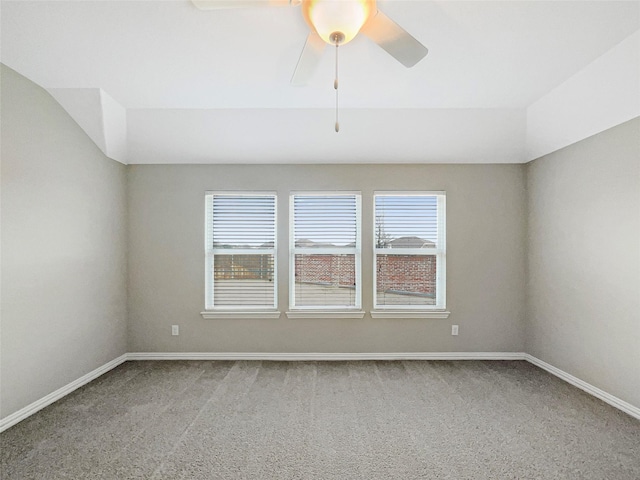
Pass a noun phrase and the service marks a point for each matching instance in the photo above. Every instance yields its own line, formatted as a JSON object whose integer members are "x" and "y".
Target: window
{"x": 240, "y": 249}
{"x": 409, "y": 242}
{"x": 325, "y": 251}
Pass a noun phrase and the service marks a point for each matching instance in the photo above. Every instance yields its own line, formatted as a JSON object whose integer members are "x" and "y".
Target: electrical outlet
{"x": 175, "y": 330}
{"x": 454, "y": 329}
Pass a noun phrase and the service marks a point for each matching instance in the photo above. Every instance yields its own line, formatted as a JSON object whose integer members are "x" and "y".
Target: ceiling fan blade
{"x": 309, "y": 59}
{"x": 222, "y": 4}
{"x": 394, "y": 39}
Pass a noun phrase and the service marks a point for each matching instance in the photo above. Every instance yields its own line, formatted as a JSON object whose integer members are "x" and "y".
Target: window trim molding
{"x": 247, "y": 314}
{"x": 414, "y": 311}
{"x": 410, "y": 313}
{"x": 308, "y": 311}
{"x": 326, "y": 314}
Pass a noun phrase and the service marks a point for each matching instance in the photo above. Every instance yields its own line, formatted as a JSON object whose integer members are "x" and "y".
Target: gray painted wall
{"x": 583, "y": 313}
{"x": 485, "y": 259}
{"x": 63, "y": 248}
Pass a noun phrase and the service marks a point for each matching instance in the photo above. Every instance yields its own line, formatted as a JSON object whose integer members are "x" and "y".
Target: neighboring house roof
{"x": 401, "y": 242}
{"x": 235, "y": 245}
{"x": 411, "y": 242}
{"x": 305, "y": 242}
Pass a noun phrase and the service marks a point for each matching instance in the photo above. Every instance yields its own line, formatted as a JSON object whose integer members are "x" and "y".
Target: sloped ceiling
{"x": 163, "y": 82}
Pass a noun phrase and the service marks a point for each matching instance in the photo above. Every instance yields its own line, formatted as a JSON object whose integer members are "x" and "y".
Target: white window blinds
{"x": 240, "y": 249}
{"x": 409, "y": 240}
{"x": 325, "y": 251}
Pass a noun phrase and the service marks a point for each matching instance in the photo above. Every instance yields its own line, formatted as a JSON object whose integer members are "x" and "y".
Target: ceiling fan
{"x": 337, "y": 22}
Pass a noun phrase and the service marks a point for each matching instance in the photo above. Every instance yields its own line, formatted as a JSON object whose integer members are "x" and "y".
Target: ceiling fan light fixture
{"x": 331, "y": 17}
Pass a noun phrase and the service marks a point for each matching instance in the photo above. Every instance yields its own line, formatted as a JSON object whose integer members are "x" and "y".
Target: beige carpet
{"x": 325, "y": 420}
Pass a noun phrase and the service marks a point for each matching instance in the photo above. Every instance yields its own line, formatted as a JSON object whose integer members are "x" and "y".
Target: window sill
{"x": 247, "y": 314}
{"x": 326, "y": 314}
{"x": 410, "y": 314}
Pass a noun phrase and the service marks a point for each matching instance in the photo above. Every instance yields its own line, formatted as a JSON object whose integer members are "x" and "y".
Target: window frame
{"x": 298, "y": 311}
{"x": 211, "y": 309}
{"x": 439, "y": 251}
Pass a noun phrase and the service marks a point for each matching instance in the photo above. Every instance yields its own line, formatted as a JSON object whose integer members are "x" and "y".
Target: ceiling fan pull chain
{"x": 335, "y": 85}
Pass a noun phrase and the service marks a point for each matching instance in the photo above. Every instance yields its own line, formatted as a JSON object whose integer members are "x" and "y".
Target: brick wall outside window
{"x": 395, "y": 273}
{"x": 406, "y": 273}
{"x": 334, "y": 270}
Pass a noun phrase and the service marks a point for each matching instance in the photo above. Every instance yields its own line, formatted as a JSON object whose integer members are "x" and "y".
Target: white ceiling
{"x": 213, "y": 86}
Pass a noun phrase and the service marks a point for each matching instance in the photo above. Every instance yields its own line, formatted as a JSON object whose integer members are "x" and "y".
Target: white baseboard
{"x": 587, "y": 387}
{"x": 325, "y": 356}
{"x": 32, "y": 408}
{"x": 29, "y": 410}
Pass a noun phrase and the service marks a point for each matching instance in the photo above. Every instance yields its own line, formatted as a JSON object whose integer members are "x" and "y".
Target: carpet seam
{"x": 184, "y": 432}
{"x": 156, "y": 472}
{"x": 172, "y": 402}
